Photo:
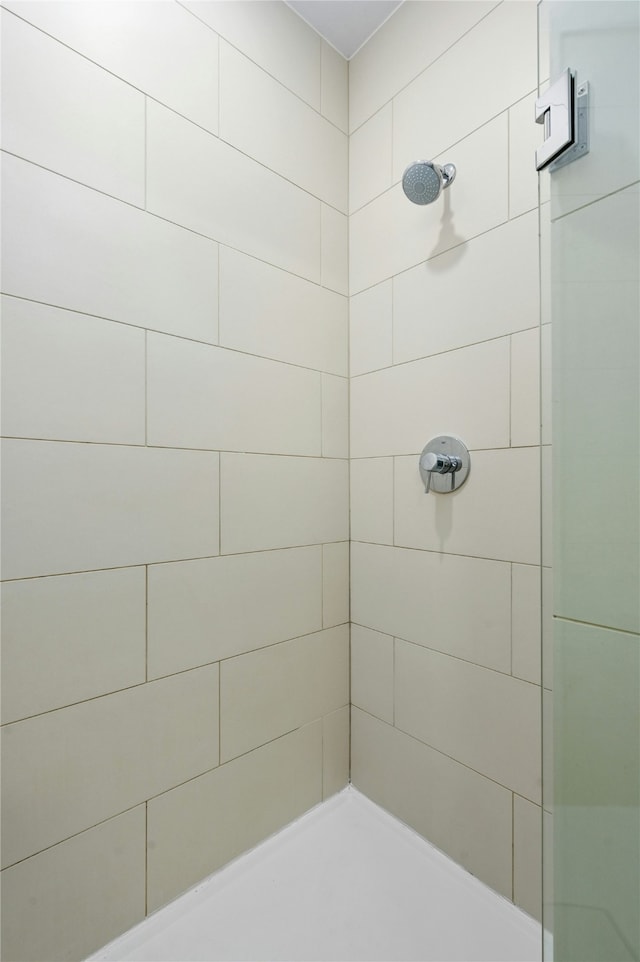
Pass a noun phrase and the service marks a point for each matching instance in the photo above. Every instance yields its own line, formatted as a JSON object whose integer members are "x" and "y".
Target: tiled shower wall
{"x": 445, "y": 340}
{"x": 175, "y": 603}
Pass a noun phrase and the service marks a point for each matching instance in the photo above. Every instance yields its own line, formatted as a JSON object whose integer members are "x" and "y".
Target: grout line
{"x": 146, "y": 859}
{"x": 513, "y": 846}
{"x": 511, "y": 618}
{"x": 146, "y": 623}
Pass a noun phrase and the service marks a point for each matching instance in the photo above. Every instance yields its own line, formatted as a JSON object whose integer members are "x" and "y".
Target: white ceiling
{"x": 346, "y": 24}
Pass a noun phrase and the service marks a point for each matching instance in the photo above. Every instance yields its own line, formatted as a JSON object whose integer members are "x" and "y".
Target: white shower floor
{"x": 347, "y": 881}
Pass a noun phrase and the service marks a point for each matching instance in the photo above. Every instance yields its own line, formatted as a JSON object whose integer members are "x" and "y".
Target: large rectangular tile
{"x": 526, "y": 629}
{"x": 269, "y": 123}
{"x": 69, "y": 638}
{"x": 72, "y": 247}
{"x": 525, "y": 184}
{"x": 370, "y": 329}
{"x": 370, "y": 149}
{"x": 482, "y": 718}
{"x": 82, "y": 122}
{"x": 335, "y": 584}
{"x": 525, "y": 388}
{"x": 334, "y": 232}
{"x": 157, "y": 47}
{"x": 415, "y": 36}
{"x": 335, "y": 416}
{"x": 272, "y": 35}
{"x": 276, "y": 314}
{"x": 277, "y": 502}
{"x": 266, "y": 693}
{"x": 75, "y": 507}
{"x": 208, "y": 397}
{"x": 391, "y": 234}
{"x": 457, "y": 605}
{"x": 67, "y": 376}
{"x": 372, "y": 672}
{"x": 527, "y": 856}
{"x": 336, "y": 754}
{"x": 246, "y": 800}
{"x": 161, "y": 734}
{"x": 397, "y": 410}
{"x": 496, "y": 514}
{"x": 334, "y": 87}
{"x": 203, "y": 611}
{"x": 59, "y": 905}
{"x": 464, "y": 814}
{"x": 459, "y": 289}
{"x": 502, "y": 49}
{"x": 200, "y": 182}
{"x": 372, "y": 500}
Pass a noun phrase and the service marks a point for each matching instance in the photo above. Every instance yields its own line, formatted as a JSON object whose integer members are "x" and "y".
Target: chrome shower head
{"x": 423, "y": 180}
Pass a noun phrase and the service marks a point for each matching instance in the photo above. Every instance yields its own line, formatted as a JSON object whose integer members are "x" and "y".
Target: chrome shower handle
{"x": 433, "y": 463}
{"x": 444, "y": 455}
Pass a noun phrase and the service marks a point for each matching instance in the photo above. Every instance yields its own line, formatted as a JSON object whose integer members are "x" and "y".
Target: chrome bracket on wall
{"x": 564, "y": 111}
{"x": 444, "y": 464}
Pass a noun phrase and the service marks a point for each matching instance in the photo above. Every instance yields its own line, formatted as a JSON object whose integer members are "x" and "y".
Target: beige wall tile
{"x": 202, "y": 611}
{"x": 396, "y": 411}
{"x": 83, "y": 122}
{"x": 482, "y": 718}
{"x": 200, "y": 182}
{"x": 269, "y": 123}
{"x": 158, "y": 48}
{"x": 70, "y": 377}
{"x": 335, "y": 751}
{"x": 335, "y": 250}
{"x": 526, "y": 599}
{"x": 267, "y": 693}
{"x": 275, "y": 314}
{"x": 334, "y": 87}
{"x": 372, "y": 500}
{"x": 246, "y": 799}
{"x": 128, "y": 266}
{"x": 450, "y": 603}
{"x": 525, "y": 388}
{"x": 335, "y": 584}
{"x": 301, "y": 501}
{"x": 75, "y": 507}
{"x": 450, "y": 300}
{"x": 527, "y": 856}
{"x": 390, "y": 234}
{"x": 502, "y": 49}
{"x": 412, "y": 38}
{"x": 74, "y": 898}
{"x": 547, "y": 628}
{"x": 495, "y": 515}
{"x": 464, "y": 814}
{"x": 524, "y": 140}
{"x": 545, "y": 384}
{"x": 69, "y": 638}
{"x": 370, "y": 329}
{"x": 272, "y": 35}
{"x": 162, "y": 733}
{"x": 335, "y": 416}
{"x": 370, "y": 159}
{"x": 372, "y": 672}
{"x": 201, "y": 396}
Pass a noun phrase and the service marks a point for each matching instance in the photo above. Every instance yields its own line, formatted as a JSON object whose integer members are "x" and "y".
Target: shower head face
{"x": 422, "y": 182}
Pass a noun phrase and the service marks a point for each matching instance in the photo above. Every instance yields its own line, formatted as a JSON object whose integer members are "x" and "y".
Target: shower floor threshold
{"x": 347, "y": 881}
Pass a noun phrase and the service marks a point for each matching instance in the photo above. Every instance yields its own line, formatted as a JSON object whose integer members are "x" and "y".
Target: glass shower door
{"x": 590, "y": 261}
